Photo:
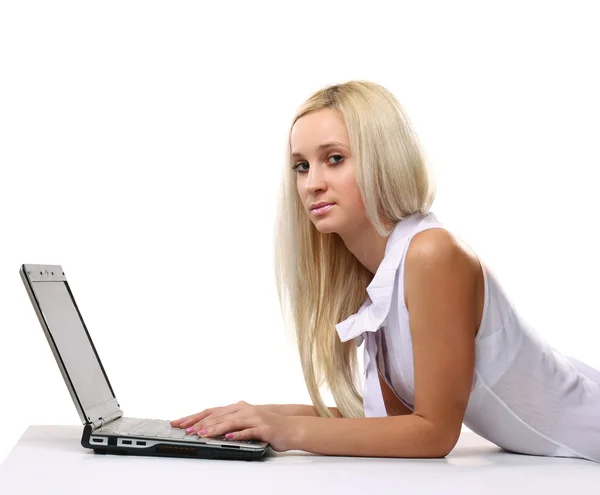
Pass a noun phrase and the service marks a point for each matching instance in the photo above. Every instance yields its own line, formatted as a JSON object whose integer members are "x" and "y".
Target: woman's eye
{"x": 297, "y": 166}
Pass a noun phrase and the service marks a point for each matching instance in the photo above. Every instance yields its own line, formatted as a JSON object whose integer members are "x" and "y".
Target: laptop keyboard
{"x": 155, "y": 428}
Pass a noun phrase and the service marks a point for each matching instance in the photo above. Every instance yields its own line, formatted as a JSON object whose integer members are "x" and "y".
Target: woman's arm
{"x": 398, "y": 436}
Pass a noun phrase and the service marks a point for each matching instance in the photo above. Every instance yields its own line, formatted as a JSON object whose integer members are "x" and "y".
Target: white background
{"x": 141, "y": 145}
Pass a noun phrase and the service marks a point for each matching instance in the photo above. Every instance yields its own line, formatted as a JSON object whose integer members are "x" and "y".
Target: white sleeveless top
{"x": 526, "y": 397}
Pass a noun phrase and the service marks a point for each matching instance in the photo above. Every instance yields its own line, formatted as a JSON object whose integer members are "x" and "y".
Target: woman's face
{"x": 325, "y": 172}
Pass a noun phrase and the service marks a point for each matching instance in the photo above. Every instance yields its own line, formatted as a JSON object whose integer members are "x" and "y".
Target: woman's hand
{"x": 243, "y": 421}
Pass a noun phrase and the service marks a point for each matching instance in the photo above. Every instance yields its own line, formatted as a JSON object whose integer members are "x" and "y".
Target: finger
{"x": 235, "y": 424}
{"x": 219, "y": 415}
{"x": 186, "y": 420}
{"x": 235, "y": 412}
{"x": 177, "y": 422}
{"x": 214, "y": 420}
{"x": 213, "y": 413}
{"x": 247, "y": 434}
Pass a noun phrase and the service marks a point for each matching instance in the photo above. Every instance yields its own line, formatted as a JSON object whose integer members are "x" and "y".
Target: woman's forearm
{"x": 392, "y": 436}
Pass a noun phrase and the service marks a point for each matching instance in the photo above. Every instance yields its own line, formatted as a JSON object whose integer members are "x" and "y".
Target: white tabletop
{"x": 50, "y": 459}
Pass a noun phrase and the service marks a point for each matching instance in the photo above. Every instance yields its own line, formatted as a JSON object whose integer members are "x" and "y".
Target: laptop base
{"x": 170, "y": 450}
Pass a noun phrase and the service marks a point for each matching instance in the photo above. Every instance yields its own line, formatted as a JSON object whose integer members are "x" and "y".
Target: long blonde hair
{"x": 319, "y": 281}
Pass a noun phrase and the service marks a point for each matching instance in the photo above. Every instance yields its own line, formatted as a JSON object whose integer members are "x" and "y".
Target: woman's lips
{"x": 322, "y": 210}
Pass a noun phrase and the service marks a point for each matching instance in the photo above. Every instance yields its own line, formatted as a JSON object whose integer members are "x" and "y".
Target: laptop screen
{"x": 72, "y": 342}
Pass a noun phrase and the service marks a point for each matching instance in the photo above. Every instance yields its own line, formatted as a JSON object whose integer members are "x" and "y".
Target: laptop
{"x": 105, "y": 428}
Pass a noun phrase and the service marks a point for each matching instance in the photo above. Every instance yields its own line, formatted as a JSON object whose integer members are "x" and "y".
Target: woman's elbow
{"x": 446, "y": 444}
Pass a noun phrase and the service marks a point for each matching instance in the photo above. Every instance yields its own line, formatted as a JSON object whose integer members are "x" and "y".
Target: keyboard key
{"x": 178, "y": 434}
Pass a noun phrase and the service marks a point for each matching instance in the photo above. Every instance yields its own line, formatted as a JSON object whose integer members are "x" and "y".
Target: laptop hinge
{"x": 102, "y": 421}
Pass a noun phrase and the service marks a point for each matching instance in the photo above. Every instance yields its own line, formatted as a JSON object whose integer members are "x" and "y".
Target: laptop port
{"x": 97, "y": 440}
{"x": 140, "y": 443}
{"x": 127, "y": 442}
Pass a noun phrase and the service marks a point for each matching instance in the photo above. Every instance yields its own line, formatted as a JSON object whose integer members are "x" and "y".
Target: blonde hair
{"x": 319, "y": 281}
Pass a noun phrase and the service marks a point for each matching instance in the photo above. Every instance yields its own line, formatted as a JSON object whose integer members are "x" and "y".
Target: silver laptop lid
{"x": 71, "y": 343}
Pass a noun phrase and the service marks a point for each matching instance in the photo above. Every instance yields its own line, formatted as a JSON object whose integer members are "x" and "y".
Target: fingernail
{"x": 202, "y": 432}
{"x": 190, "y": 429}
{"x": 229, "y": 436}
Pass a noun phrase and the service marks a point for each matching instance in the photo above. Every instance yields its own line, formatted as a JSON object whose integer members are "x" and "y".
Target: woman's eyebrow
{"x": 324, "y": 146}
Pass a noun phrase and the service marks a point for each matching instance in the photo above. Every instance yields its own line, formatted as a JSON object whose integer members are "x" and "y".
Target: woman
{"x": 443, "y": 344}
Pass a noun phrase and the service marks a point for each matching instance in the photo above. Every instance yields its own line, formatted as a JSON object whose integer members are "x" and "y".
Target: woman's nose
{"x": 315, "y": 181}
